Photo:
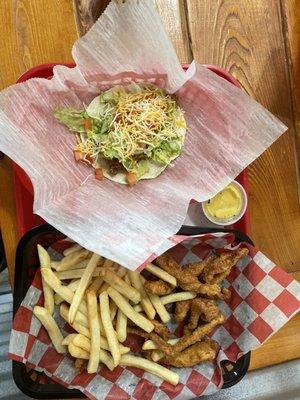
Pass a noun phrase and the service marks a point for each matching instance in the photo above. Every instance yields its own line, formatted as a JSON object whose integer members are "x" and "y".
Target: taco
{"x": 127, "y": 133}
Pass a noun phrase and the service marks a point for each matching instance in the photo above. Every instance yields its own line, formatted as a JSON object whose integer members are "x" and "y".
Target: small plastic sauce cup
{"x": 219, "y": 201}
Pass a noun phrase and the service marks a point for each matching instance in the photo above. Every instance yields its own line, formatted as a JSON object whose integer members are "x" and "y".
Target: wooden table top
{"x": 257, "y": 41}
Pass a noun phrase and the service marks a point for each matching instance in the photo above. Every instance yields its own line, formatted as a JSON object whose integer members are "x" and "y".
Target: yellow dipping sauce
{"x": 226, "y": 204}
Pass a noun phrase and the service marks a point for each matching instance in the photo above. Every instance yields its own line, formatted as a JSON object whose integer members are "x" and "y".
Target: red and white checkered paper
{"x": 264, "y": 298}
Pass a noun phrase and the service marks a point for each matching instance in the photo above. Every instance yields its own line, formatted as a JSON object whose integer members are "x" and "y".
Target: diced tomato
{"x": 87, "y": 123}
{"x": 78, "y": 155}
{"x": 99, "y": 174}
{"x": 88, "y": 158}
{"x": 131, "y": 178}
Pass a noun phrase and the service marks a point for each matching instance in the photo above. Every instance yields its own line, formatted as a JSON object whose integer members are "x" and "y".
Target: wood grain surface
{"x": 291, "y": 30}
{"x": 257, "y": 41}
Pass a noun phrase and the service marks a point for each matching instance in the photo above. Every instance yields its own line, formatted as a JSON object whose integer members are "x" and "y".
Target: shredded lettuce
{"x": 166, "y": 151}
{"x": 71, "y": 118}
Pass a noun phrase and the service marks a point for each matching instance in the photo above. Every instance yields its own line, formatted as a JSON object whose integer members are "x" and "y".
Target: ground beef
{"x": 115, "y": 166}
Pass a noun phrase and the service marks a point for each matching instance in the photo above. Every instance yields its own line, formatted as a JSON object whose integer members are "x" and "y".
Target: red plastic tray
{"x": 26, "y": 220}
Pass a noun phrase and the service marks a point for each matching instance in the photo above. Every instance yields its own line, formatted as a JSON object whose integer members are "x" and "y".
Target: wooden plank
{"x": 173, "y": 15}
{"x": 8, "y": 214}
{"x": 291, "y": 30}
{"x": 35, "y": 32}
{"x": 245, "y": 37}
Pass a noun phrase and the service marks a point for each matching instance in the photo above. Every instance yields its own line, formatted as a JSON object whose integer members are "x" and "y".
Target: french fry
{"x": 157, "y": 355}
{"x": 84, "y": 342}
{"x": 73, "y": 285}
{"x": 48, "y": 291}
{"x": 96, "y": 284}
{"x": 150, "y": 366}
{"x": 113, "y": 309}
{"x": 145, "y": 301}
{"x": 138, "y": 308}
{"x": 159, "y": 307}
{"x": 80, "y": 318}
{"x": 68, "y": 339}
{"x": 150, "y": 345}
{"x": 104, "y": 287}
{"x": 180, "y": 296}
{"x": 128, "y": 310}
{"x": 127, "y": 279}
{"x": 80, "y": 328}
{"x": 107, "y": 359}
{"x": 54, "y": 264}
{"x": 170, "y": 298}
{"x": 121, "y": 272}
{"x": 80, "y": 265}
{"x": 160, "y": 273}
{"x": 94, "y": 332}
{"x": 108, "y": 263}
{"x": 123, "y": 349}
{"x": 51, "y": 327}
{"x": 100, "y": 323}
{"x": 66, "y": 293}
{"x": 121, "y": 326}
{"x": 108, "y": 327}
{"x": 78, "y": 352}
{"x": 120, "y": 285}
{"x": 72, "y": 249}
{"x": 84, "y": 282}
{"x": 72, "y": 259}
{"x": 75, "y": 273}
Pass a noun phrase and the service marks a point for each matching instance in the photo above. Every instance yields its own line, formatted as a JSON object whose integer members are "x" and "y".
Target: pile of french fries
{"x": 97, "y": 298}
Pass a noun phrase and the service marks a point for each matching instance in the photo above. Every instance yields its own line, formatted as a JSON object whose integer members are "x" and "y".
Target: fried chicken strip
{"x": 158, "y": 287}
{"x": 203, "y": 309}
{"x": 220, "y": 267}
{"x": 161, "y": 329}
{"x": 80, "y": 365}
{"x": 190, "y": 282}
{"x": 198, "y": 352}
{"x": 181, "y": 310}
{"x": 184, "y": 342}
{"x": 197, "y": 268}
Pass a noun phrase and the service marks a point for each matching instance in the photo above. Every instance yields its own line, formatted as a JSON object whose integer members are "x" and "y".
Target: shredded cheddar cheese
{"x": 139, "y": 121}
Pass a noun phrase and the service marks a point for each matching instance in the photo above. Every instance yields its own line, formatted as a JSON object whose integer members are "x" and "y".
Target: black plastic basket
{"x": 37, "y": 385}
